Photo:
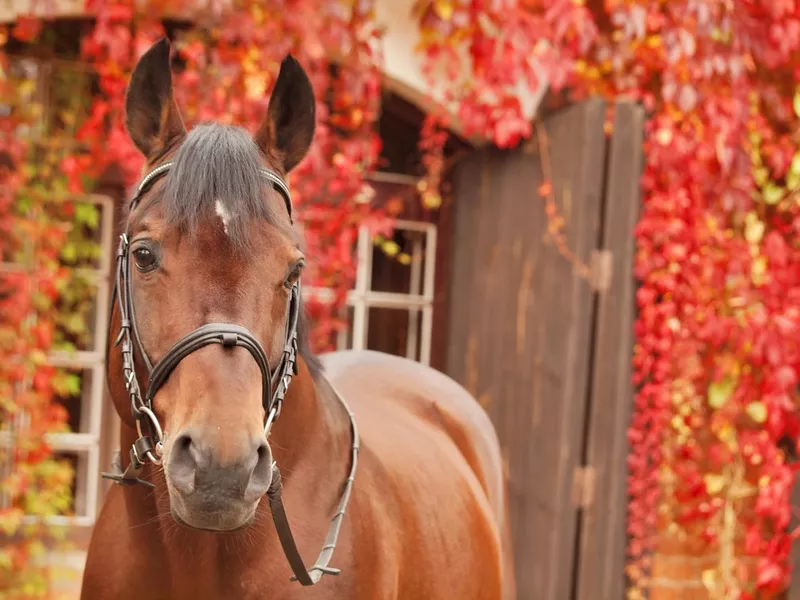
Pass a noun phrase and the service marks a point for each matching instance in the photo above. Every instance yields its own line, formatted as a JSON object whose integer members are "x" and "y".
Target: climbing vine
{"x": 34, "y": 284}
{"x": 716, "y": 358}
{"x": 717, "y": 352}
{"x": 225, "y": 65}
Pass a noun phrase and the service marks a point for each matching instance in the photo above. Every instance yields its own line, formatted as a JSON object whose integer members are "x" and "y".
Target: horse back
{"x": 432, "y": 458}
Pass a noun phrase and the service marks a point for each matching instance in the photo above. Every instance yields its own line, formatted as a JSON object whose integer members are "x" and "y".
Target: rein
{"x": 150, "y": 444}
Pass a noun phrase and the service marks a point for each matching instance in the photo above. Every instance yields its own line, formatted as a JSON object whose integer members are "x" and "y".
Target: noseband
{"x": 275, "y": 383}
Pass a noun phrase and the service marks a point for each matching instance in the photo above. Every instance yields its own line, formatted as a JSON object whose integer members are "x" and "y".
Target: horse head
{"x": 208, "y": 294}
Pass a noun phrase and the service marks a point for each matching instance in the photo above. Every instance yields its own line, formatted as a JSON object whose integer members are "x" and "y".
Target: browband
{"x": 276, "y": 180}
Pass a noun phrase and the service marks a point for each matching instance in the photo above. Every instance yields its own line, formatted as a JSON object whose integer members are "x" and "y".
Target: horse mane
{"x": 222, "y": 161}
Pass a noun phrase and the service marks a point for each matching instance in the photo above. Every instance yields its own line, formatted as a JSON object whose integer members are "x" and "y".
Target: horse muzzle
{"x": 209, "y": 493}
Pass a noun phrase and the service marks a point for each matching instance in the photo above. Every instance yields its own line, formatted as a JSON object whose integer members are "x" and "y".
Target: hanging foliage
{"x": 33, "y": 279}
{"x": 717, "y": 354}
{"x": 226, "y": 63}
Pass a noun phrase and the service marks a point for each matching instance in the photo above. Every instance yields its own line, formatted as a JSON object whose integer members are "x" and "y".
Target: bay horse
{"x": 240, "y": 448}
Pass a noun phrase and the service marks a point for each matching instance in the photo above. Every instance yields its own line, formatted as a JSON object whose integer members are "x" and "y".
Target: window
{"x": 85, "y": 399}
{"x": 365, "y": 300}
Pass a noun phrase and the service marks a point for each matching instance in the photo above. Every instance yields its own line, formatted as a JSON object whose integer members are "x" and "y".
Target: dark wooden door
{"x": 522, "y": 332}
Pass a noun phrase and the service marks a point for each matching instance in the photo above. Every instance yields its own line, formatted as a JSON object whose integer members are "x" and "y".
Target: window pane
{"x": 75, "y": 504}
{"x": 76, "y": 322}
{"x": 388, "y": 330}
{"x": 74, "y": 392}
{"x": 391, "y": 262}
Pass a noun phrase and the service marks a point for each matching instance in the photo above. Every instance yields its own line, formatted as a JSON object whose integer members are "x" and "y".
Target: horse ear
{"x": 151, "y": 113}
{"x": 286, "y": 133}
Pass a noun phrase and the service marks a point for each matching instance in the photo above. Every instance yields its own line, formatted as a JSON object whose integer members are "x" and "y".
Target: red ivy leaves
{"x": 716, "y": 360}
{"x": 717, "y": 351}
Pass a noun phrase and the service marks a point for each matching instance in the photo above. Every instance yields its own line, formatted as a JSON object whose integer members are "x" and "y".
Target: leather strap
{"x": 227, "y": 335}
{"x": 311, "y": 576}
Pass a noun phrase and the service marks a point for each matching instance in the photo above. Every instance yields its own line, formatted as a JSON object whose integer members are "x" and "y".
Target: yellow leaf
{"x": 793, "y": 180}
{"x": 11, "y": 521}
{"x": 758, "y": 271}
{"x": 255, "y": 86}
{"x": 26, "y": 88}
{"x": 714, "y": 483}
{"x": 38, "y": 357}
{"x": 727, "y": 434}
{"x": 258, "y": 14}
{"x": 431, "y": 200}
{"x": 757, "y": 411}
{"x": 709, "y": 578}
{"x": 761, "y": 175}
{"x": 795, "y": 166}
{"x": 772, "y": 194}
{"x": 404, "y": 259}
{"x": 754, "y": 228}
{"x": 390, "y": 248}
{"x": 719, "y": 392}
{"x": 444, "y": 8}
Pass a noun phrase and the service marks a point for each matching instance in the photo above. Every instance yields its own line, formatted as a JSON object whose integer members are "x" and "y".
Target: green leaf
{"x": 69, "y": 253}
{"x": 719, "y": 392}
{"x": 87, "y": 214}
{"x": 73, "y": 384}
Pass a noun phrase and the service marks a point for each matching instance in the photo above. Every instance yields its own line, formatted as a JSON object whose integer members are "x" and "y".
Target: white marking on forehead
{"x": 223, "y": 214}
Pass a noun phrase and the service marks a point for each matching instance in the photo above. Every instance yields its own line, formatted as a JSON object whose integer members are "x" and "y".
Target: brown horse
{"x": 206, "y": 316}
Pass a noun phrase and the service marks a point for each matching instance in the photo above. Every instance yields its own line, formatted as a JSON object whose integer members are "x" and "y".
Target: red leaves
{"x": 713, "y": 303}
{"x": 26, "y": 28}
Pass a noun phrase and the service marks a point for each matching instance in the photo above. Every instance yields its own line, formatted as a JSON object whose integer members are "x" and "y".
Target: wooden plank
{"x": 601, "y": 574}
{"x": 519, "y": 329}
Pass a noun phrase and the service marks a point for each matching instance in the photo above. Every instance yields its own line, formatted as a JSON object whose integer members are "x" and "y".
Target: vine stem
{"x": 555, "y": 222}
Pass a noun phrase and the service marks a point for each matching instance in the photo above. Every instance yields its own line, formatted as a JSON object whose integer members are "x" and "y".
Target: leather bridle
{"x": 275, "y": 383}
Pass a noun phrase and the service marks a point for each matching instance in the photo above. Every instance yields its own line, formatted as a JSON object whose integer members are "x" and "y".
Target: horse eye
{"x": 293, "y": 276}
{"x": 145, "y": 259}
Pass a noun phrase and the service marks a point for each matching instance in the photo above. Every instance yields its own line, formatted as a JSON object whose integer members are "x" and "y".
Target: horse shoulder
{"x": 433, "y": 461}
{"x": 435, "y": 399}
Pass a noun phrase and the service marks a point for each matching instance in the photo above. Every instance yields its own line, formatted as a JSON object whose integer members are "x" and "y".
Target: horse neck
{"x": 312, "y": 425}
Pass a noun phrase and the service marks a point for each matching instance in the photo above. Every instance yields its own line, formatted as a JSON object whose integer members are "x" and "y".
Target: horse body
{"x": 206, "y": 337}
{"x": 427, "y": 518}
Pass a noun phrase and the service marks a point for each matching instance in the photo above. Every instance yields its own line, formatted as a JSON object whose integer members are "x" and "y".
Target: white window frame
{"x": 86, "y": 442}
{"x": 418, "y": 302}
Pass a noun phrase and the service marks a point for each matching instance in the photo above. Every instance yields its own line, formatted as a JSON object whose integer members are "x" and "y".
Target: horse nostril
{"x": 184, "y": 461}
{"x": 261, "y": 477}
